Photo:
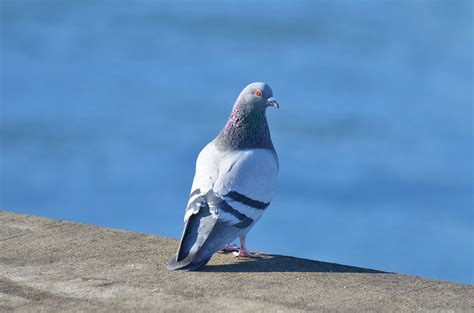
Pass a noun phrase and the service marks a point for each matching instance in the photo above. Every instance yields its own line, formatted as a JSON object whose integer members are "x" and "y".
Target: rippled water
{"x": 105, "y": 106}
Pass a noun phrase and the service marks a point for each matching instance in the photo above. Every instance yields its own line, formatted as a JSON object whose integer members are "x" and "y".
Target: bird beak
{"x": 272, "y": 102}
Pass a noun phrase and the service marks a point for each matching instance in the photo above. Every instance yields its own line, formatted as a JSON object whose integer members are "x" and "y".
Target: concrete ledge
{"x": 48, "y": 265}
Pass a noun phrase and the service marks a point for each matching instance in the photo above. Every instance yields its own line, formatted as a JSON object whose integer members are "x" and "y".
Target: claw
{"x": 244, "y": 253}
{"x": 231, "y": 247}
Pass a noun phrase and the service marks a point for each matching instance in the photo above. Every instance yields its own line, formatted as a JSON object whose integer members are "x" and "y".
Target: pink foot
{"x": 244, "y": 253}
{"x": 231, "y": 247}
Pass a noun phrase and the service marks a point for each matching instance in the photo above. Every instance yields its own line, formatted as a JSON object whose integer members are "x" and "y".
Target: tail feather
{"x": 203, "y": 235}
{"x": 189, "y": 255}
{"x": 189, "y": 265}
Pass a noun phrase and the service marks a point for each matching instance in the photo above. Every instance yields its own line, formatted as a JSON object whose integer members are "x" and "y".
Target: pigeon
{"x": 233, "y": 184}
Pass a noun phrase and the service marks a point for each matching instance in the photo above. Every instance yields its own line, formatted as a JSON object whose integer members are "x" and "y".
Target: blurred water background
{"x": 106, "y": 104}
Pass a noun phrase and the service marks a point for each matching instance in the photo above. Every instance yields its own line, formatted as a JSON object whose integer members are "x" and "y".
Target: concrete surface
{"x": 48, "y": 266}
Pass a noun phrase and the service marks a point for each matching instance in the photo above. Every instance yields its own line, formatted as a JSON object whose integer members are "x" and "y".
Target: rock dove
{"x": 234, "y": 182}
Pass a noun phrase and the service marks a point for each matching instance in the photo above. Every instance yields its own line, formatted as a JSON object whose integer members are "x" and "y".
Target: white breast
{"x": 250, "y": 172}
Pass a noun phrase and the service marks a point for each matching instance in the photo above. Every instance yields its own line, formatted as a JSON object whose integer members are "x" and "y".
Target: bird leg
{"x": 243, "y": 252}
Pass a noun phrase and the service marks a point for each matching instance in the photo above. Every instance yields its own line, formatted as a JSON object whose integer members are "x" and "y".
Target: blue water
{"x": 105, "y": 106}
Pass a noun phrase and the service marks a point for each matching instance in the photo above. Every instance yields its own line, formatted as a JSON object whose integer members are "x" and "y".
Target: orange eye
{"x": 257, "y": 93}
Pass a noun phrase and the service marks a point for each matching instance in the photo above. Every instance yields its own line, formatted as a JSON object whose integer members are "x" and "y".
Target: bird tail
{"x": 190, "y": 256}
{"x": 203, "y": 235}
{"x": 174, "y": 264}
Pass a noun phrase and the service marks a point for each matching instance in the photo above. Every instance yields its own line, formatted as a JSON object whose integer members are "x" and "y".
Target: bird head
{"x": 258, "y": 96}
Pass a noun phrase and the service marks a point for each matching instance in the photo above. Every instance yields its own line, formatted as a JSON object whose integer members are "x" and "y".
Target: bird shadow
{"x": 279, "y": 263}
